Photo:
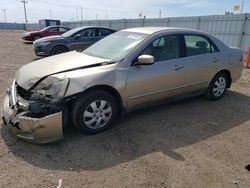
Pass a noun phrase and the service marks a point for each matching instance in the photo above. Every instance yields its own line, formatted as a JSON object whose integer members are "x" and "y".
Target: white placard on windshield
{"x": 136, "y": 37}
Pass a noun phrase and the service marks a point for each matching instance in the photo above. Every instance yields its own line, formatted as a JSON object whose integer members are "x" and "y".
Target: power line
{"x": 4, "y": 14}
{"x": 88, "y": 8}
{"x": 75, "y": 7}
{"x": 55, "y": 4}
{"x": 24, "y": 7}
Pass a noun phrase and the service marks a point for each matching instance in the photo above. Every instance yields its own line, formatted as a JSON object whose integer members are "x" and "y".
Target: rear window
{"x": 63, "y": 29}
{"x": 197, "y": 45}
{"x": 53, "y": 29}
{"x": 104, "y": 32}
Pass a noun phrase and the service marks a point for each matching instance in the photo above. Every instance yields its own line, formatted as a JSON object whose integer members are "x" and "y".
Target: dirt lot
{"x": 190, "y": 143}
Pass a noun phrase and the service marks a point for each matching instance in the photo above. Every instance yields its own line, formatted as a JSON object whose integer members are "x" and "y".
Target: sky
{"x": 70, "y": 10}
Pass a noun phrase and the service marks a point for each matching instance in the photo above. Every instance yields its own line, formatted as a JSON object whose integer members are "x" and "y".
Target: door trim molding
{"x": 170, "y": 89}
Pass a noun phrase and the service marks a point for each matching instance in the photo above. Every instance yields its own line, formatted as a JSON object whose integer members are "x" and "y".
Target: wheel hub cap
{"x": 97, "y": 114}
{"x": 219, "y": 86}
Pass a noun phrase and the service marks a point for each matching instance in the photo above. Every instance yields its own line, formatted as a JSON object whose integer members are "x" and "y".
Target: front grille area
{"x": 39, "y": 49}
{"x": 25, "y": 94}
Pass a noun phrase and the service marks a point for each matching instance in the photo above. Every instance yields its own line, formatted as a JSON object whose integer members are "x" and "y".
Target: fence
{"x": 234, "y": 30}
{"x": 14, "y": 26}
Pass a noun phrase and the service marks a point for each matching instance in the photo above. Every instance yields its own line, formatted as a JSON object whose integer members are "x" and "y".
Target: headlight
{"x": 44, "y": 43}
{"x": 52, "y": 87}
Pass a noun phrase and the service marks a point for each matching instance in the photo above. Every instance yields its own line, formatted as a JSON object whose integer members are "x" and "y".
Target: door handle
{"x": 177, "y": 67}
{"x": 215, "y": 60}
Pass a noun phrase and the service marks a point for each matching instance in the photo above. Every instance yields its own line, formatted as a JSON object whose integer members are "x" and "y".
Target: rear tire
{"x": 94, "y": 112}
{"x": 58, "y": 50}
{"x": 217, "y": 87}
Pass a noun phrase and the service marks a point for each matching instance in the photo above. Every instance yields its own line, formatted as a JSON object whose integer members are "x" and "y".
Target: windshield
{"x": 116, "y": 46}
{"x": 45, "y": 28}
{"x": 71, "y": 32}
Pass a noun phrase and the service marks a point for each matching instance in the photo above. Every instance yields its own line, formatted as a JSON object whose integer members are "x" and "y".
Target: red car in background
{"x": 48, "y": 31}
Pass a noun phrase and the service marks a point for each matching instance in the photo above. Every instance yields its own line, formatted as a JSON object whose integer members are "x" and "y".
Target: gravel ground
{"x": 189, "y": 143}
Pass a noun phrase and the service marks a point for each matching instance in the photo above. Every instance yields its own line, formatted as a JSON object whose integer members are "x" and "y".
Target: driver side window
{"x": 164, "y": 48}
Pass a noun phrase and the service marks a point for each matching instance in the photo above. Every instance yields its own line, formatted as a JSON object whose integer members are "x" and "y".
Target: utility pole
{"x": 76, "y": 14}
{"x": 160, "y": 13}
{"x": 50, "y": 14}
{"x": 81, "y": 12}
{"x": 24, "y": 7}
{"x": 242, "y": 6}
{"x": 4, "y": 14}
{"x": 140, "y": 14}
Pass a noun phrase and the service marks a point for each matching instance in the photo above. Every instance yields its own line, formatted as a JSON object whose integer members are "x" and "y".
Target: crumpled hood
{"x": 48, "y": 39}
{"x": 32, "y": 72}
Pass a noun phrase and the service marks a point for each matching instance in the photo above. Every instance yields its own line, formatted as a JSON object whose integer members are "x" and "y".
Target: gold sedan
{"x": 125, "y": 71}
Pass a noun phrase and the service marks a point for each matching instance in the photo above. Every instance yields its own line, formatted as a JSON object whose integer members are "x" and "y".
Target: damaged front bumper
{"x": 16, "y": 116}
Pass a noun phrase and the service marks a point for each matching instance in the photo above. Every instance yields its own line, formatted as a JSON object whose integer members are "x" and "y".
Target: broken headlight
{"x": 52, "y": 88}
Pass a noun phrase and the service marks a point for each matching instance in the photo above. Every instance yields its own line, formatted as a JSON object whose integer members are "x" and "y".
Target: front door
{"x": 164, "y": 78}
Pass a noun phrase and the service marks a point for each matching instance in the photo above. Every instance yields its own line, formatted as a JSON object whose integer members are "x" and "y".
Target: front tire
{"x": 217, "y": 87}
{"x": 58, "y": 50}
{"x": 94, "y": 112}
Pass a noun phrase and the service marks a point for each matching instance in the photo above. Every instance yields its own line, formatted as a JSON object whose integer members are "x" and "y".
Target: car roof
{"x": 56, "y": 26}
{"x": 86, "y": 27}
{"x": 152, "y": 30}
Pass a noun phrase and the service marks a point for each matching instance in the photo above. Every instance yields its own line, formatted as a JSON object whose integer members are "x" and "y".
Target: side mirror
{"x": 77, "y": 36}
{"x": 146, "y": 60}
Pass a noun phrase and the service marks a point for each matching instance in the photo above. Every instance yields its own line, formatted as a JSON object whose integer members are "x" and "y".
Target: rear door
{"x": 103, "y": 32}
{"x": 201, "y": 61}
{"x": 83, "y": 39}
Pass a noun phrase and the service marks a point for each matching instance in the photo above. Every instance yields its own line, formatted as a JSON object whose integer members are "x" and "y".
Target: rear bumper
{"x": 37, "y": 130}
{"x": 236, "y": 73}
